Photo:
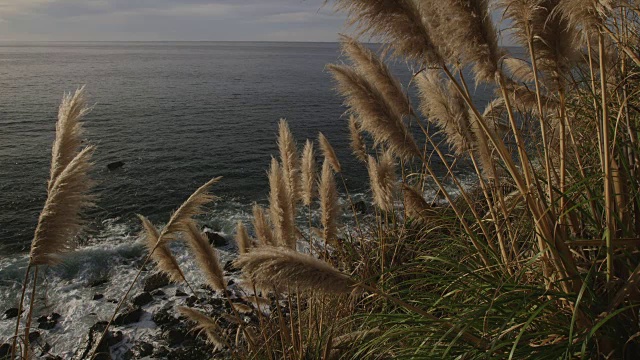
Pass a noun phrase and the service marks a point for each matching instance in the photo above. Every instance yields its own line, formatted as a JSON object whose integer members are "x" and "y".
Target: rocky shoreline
{"x": 148, "y": 325}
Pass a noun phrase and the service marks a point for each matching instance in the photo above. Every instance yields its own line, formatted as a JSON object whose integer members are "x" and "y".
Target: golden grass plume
{"x": 242, "y": 238}
{"x": 329, "y": 153}
{"x": 328, "y": 203}
{"x": 205, "y": 324}
{"x": 280, "y": 210}
{"x": 382, "y": 177}
{"x": 358, "y": 146}
{"x": 271, "y": 267}
{"x": 206, "y": 257}
{"x": 289, "y": 160}
{"x": 166, "y": 263}
{"x": 261, "y": 225}
{"x": 376, "y": 115}
{"x": 68, "y": 190}
{"x": 308, "y": 173}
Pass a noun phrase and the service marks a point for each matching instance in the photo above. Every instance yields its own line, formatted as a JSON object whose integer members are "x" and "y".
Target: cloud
{"x": 168, "y": 20}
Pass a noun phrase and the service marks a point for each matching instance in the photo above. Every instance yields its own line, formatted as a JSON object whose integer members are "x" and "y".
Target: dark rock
{"x": 161, "y": 353}
{"x": 164, "y": 317}
{"x": 98, "y": 282}
{"x": 5, "y": 350}
{"x": 115, "y": 338}
{"x": 10, "y": 313}
{"x": 48, "y": 322}
{"x": 45, "y": 349}
{"x": 361, "y": 207}
{"x": 216, "y": 239}
{"x": 97, "y": 296}
{"x": 155, "y": 281}
{"x": 129, "y": 316}
{"x": 139, "y": 350}
{"x": 158, "y": 293}
{"x": 91, "y": 342}
{"x": 174, "y": 337}
{"x": 180, "y": 293}
{"x": 230, "y": 282}
{"x": 142, "y": 299}
{"x": 115, "y": 165}
{"x": 190, "y": 353}
{"x": 191, "y": 300}
{"x": 217, "y": 303}
{"x": 34, "y": 336}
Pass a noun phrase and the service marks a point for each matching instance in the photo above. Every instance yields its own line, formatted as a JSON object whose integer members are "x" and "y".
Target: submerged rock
{"x": 215, "y": 239}
{"x": 115, "y": 165}
{"x": 10, "y": 313}
{"x": 48, "y": 322}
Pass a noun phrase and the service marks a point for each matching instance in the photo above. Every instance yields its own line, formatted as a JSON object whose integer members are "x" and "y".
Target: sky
{"x": 172, "y": 20}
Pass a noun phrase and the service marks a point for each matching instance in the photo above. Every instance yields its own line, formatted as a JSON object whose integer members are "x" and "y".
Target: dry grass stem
{"x": 270, "y": 267}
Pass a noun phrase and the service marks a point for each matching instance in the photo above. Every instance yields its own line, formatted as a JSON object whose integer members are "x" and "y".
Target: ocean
{"x": 176, "y": 114}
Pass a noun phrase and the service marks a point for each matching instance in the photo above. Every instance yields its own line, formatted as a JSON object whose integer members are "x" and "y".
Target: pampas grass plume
{"x": 270, "y": 267}
{"x": 166, "y": 263}
{"x": 308, "y": 173}
{"x": 328, "y": 203}
{"x": 242, "y": 238}
{"x": 358, "y": 146}
{"x": 67, "y": 193}
{"x": 289, "y": 160}
{"x": 205, "y": 324}
{"x": 280, "y": 207}
{"x": 206, "y": 257}
{"x": 383, "y": 180}
{"x": 329, "y": 153}
{"x": 261, "y": 225}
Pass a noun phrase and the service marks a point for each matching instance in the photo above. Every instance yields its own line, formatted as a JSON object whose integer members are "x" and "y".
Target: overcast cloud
{"x": 217, "y": 20}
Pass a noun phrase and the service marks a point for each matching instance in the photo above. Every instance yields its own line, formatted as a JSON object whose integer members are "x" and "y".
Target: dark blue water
{"x": 177, "y": 114}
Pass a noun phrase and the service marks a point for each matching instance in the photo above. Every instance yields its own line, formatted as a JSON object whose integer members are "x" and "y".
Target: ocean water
{"x": 176, "y": 114}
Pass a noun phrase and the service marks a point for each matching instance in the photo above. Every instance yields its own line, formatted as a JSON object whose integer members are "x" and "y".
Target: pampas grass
{"x": 358, "y": 147}
{"x": 205, "y": 324}
{"x": 280, "y": 207}
{"x": 69, "y": 184}
{"x": 399, "y": 22}
{"x": 367, "y": 63}
{"x": 377, "y": 116}
{"x": 183, "y": 217}
{"x": 289, "y": 160}
{"x": 279, "y": 268}
{"x": 382, "y": 176}
{"x": 242, "y": 238}
{"x": 206, "y": 257}
{"x": 166, "y": 263}
{"x": 329, "y": 153}
{"x": 328, "y": 203}
{"x": 261, "y": 225}
{"x": 308, "y": 173}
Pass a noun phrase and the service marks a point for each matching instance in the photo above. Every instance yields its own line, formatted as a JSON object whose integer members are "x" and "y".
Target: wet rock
{"x": 228, "y": 267}
{"x": 190, "y": 353}
{"x": 158, "y": 293}
{"x": 180, "y": 293}
{"x": 34, "y": 336}
{"x": 164, "y": 317}
{"x": 48, "y": 322}
{"x": 91, "y": 342}
{"x": 191, "y": 300}
{"x": 155, "y": 281}
{"x": 10, "y": 313}
{"x": 115, "y": 165}
{"x": 142, "y": 299}
{"x": 45, "y": 349}
{"x": 98, "y": 282}
{"x": 215, "y": 239}
{"x": 174, "y": 336}
{"x": 138, "y": 351}
{"x": 361, "y": 207}
{"x": 97, "y": 296}
{"x": 5, "y": 351}
{"x": 129, "y": 316}
{"x": 230, "y": 282}
{"x": 115, "y": 338}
